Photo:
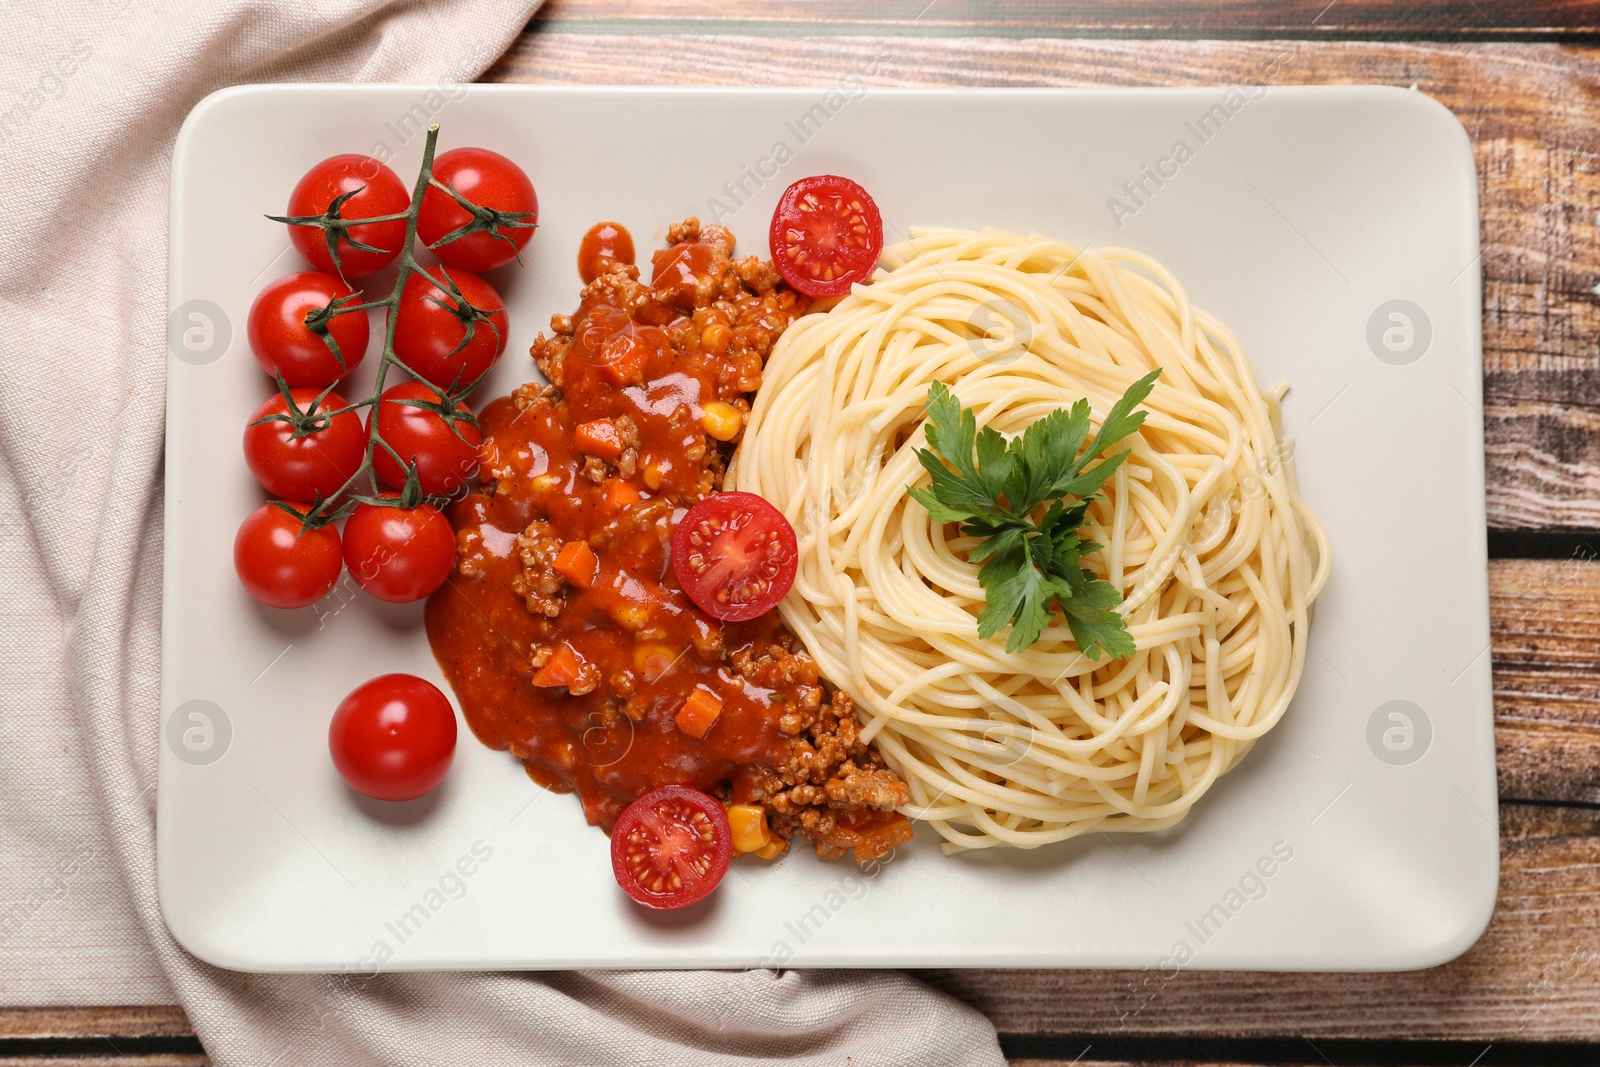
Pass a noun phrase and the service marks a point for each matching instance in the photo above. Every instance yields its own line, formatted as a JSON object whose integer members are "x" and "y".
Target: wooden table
{"x": 1524, "y": 77}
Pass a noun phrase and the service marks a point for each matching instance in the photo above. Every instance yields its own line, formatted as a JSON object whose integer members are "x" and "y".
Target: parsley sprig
{"x": 995, "y": 488}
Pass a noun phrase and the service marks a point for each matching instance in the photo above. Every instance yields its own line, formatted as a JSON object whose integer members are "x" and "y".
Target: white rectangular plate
{"x": 1351, "y": 837}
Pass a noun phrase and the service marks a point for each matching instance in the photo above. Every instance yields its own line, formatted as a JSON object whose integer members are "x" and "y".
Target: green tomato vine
{"x": 314, "y": 417}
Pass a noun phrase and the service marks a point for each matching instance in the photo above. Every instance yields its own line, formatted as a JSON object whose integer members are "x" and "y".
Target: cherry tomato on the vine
{"x": 488, "y": 180}
{"x": 735, "y": 555}
{"x": 377, "y": 192}
{"x": 393, "y": 737}
{"x": 826, "y": 235}
{"x": 671, "y": 847}
{"x": 431, "y": 334}
{"x": 299, "y": 467}
{"x": 399, "y": 554}
{"x": 283, "y": 341}
{"x": 446, "y": 456}
{"x": 279, "y": 565}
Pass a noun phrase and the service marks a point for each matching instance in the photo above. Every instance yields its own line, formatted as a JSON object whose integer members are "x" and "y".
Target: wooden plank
{"x": 1535, "y": 975}
{"x": 162, "y": 1059}
{"x": 1540, "y": 433}
{"x": 1486, "y": 19}
{"x": 78, "y": 1027}
{"x": 77, "y": 1022}
{"x": 1545, "y": 618}
{"x": 1309, "y": 1061}
{"x": 1531, "y": 110}
{"x": 158, "y": 1060}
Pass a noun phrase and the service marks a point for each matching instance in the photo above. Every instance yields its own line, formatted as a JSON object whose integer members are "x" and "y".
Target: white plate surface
{"x": 1361, "y": 834}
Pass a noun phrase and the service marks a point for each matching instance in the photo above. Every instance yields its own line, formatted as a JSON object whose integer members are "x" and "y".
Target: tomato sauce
{"x": 606, "y": 244}
{"x": 648, "y": 645}
{"x": 647, "y": 390}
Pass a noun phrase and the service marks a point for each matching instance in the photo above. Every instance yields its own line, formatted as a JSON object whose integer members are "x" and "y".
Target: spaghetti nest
{"x": 1217, "y": 557}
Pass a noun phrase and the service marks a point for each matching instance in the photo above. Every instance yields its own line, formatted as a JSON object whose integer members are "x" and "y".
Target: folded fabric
{"x": 96, "y": 93}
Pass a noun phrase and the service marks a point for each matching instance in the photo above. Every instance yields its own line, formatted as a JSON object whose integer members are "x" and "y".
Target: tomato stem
{"x": 329, "y": 510}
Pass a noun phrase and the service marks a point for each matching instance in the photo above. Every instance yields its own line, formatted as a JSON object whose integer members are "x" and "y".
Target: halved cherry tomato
{"x": 431, "y": 334}
{"x": 826, "y": 235}
{"x": 735, "y": 555}
{"x": 393, "y": 738}
{"x": 300, "y": 467}
{"x": 280, "y": 566}
{"x": 446, "y": 456}
{"x": 671, "y": 847}
{"x": 488, "y": 180}
{"x": 284, "y": 344}
{"x": 377, "y": 192}
{"x": 399, "y": 554}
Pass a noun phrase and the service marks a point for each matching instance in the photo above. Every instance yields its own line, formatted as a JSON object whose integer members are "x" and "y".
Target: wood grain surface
{"x": 161, "y": 1059}
{"x": 1439, "y": 19}
{"x": 1545, "y": 617}
{"x": 74, "y": 1022}
{"x": 1524, "y": 78}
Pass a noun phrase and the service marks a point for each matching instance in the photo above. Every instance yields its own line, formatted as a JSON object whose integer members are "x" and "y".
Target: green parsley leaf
{"x": 994, "y": 487}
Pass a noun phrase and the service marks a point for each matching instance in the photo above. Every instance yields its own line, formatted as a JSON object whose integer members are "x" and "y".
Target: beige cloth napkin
{"x": 91, "y": 96}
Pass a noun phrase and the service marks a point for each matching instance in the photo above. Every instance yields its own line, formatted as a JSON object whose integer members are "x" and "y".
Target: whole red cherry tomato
{"x": 298, "y": 464}
{"x": 282, "y": 338}
{"x": 431, "y": 336}
{"x": 376, "y": 192}
{"x": 671, "y": 847}
{"x": 393, "y": 738}
{"x": 279, "y": 565}
{"x": 446, "y": 455}
{"x": 399, "y": 554}
{"x": 488, "y": 180}
{"x": 735, "y": 555}
{"x": 826, "y": 235}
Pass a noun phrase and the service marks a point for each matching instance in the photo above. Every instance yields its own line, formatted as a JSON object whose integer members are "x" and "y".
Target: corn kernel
{"x": 716, "y": 338}
{"x": 544, "y": 483}
{"x": 652, "y": 659}
{"x": 652, "y": 476}
{"x": 749, "y": 825}
{"x": 772, "y": 849}
{"x": 632, "y": 616}
{"x": 722, "y": 421}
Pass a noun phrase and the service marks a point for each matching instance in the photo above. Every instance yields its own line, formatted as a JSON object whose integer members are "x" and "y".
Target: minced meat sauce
{"x": 648, "y": 389}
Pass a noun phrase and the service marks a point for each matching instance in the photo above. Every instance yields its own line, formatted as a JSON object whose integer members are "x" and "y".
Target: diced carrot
{"x": 576, "y": 563}
{"x": 749, "y": 825}
{"x": 620, "y": 494}
{"x": 699, "y": 712}
{"x": 599, "y": 438}
{"x": 563, "y": 667}
{"x": 622, "y": 360}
